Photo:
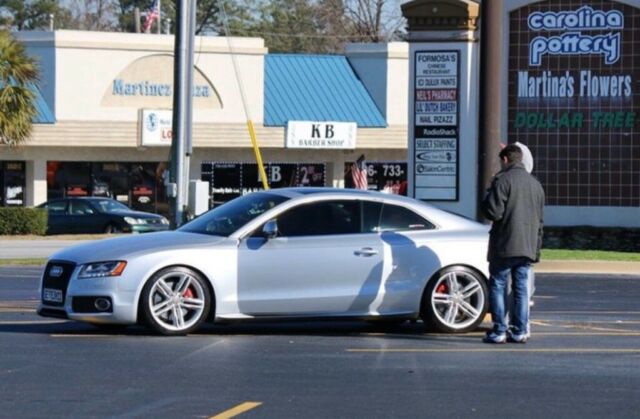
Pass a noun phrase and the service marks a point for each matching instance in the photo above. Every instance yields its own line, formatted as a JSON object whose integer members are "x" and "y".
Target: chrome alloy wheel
{"x": 458, "y": 300}
{"x": 177, "y": 301}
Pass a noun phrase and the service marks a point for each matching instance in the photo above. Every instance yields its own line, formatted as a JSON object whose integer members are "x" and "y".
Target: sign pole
{"x": 177, "y": 188}
{"x": 491, "y": 94}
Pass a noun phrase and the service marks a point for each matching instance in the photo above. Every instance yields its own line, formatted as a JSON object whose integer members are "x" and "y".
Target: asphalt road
{"x": 583, "y": 360}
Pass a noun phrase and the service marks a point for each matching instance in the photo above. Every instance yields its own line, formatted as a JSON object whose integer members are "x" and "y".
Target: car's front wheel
{"x": 175, "y": 301}
{"x": 456, "y": 300}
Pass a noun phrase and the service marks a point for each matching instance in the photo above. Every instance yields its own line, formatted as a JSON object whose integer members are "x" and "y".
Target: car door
{"x": 83, "y": 217}
{"x": 321, "y": 263}
{"x": 57, "y": 219}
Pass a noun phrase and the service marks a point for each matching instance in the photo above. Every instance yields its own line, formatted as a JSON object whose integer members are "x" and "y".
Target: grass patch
{"x": 62, "y": 237}
{"x": 603, "y": 255}
{"x": 26, "y": 261}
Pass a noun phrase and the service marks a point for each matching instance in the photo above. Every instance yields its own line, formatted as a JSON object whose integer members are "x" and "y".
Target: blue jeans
{"x": 501, "y": 270}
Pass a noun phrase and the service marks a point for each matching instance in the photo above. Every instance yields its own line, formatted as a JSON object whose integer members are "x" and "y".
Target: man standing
{"x": 514, "y": 203}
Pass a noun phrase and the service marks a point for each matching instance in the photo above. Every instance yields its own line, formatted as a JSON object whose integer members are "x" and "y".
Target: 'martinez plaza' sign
{"x": 573, "y": 99}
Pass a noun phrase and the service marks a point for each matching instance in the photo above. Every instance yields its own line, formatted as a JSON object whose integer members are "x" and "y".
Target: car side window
{"x": 56, "y": 207}
{"x": 80, "y": 208}
{"x": 320, "y": 218}
{"x": 397, "y": 218}
{"x": 371, "y": 216}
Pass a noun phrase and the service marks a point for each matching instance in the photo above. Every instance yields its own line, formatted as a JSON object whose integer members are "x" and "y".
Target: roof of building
{"x": 316, "y": 88}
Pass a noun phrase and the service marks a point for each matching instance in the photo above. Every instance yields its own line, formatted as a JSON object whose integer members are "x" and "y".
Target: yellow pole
{"x": 256, "y": 151}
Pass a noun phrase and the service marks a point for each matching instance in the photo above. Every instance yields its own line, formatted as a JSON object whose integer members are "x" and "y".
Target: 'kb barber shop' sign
{"x": 321, "y": 135}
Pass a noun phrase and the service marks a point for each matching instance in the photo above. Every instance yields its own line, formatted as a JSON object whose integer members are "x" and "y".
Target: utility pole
{"x": 177, "y": 189}
{"x": 491, "y": 94}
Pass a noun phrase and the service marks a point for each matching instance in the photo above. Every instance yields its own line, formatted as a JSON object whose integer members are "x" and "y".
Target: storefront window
{"x": 12, "y": 183}
{"x": 137, "y": 185}
{"x": 228, "y": 180}
{"x": 383, "y": 176}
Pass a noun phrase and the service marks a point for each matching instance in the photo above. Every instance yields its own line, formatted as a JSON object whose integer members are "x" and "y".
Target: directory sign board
{"x": 436, "y": 125}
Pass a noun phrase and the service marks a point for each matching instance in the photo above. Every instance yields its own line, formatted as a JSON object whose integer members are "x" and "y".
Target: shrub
{"x": 19, "y": 220}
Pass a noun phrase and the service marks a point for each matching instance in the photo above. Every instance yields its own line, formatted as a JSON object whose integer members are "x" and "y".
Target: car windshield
{"x": 229, "y": 217}
{"x": 108, "y": 205}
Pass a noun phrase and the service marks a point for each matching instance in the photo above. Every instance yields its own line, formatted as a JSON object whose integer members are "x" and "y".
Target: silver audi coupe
{"x": 284, "y": 253}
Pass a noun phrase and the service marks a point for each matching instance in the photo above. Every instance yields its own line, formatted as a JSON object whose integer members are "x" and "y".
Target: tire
{"x": 109, "y": 327}
{"x": 112, "y": 229}
{"x": 455, "y": 300}
{"x": 175, "y": 301}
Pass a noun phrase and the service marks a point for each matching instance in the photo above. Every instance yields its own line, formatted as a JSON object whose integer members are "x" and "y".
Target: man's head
{"x": 510, "y": 154}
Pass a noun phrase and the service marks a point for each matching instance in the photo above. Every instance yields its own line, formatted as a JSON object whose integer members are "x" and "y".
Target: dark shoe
{"x": 492, "y": 337}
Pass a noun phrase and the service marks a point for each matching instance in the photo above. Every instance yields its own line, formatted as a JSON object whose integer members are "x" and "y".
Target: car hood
{"x": 135, "y": 245}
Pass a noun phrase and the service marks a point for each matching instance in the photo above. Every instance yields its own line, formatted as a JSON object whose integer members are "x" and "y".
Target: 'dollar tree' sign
{"x": 573, "y": 74}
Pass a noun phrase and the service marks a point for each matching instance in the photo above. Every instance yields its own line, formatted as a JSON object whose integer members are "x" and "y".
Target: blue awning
{"x": 316, "y": 88}
{"x": 44, "y": 115}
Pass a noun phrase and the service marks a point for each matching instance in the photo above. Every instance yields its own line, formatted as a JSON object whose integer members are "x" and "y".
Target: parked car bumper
{"x": 148, "y": 228}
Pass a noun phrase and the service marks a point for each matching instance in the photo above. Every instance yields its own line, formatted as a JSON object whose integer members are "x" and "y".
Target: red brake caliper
{"x": 442, "y": 289}
{"x": 188, "y": 293}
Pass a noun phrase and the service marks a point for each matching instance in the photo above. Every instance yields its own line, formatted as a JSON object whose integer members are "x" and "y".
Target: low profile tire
{"x": 175, "y": 301}
{"x": 108, "y": 327}
{"x": 112, "y": 229}
{"x": 455, "y": 300}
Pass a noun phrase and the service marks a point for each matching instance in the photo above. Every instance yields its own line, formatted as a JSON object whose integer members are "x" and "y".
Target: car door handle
{"x": 366, "y": 251}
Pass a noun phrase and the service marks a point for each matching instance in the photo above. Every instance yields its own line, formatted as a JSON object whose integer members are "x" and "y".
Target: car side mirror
{"x": 270, "y": 229}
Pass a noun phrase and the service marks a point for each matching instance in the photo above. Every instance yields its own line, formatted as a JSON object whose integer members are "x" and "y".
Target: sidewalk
{"x": 588, "y": 267}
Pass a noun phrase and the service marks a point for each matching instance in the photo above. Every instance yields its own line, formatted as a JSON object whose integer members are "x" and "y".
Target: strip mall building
{"x": 104, "y": 122}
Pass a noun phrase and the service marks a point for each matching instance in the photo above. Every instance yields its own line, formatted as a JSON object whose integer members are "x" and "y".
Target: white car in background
{"x": 285, "y": 253}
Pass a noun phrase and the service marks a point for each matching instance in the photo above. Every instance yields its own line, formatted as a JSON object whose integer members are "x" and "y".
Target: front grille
{"x": 58, "y": 282}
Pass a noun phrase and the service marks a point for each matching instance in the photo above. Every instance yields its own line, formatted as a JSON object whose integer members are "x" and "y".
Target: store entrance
{"x": 12, "y": 183}
{"x": 137, "y": 185}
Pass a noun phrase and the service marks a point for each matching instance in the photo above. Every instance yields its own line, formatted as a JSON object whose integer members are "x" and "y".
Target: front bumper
{"x": 123, "y": 307}
{"x": 148, "y": 228}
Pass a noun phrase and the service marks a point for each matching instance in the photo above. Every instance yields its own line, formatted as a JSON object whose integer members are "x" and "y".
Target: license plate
{"x": 52, "y": 295}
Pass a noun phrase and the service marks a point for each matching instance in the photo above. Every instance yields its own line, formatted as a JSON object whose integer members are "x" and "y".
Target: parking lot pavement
{"x": 582, "y": 361}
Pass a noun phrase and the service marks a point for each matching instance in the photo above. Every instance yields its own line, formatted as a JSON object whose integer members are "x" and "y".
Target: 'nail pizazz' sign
{"x": 573, "y": 75}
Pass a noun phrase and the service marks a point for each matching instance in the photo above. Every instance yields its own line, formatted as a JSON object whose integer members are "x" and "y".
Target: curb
{"x": 588, "y": 267}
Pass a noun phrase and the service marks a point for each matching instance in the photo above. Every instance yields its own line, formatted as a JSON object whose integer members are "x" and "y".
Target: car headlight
{"x": 102, "y": 269}
{"x": 134, "y": 221}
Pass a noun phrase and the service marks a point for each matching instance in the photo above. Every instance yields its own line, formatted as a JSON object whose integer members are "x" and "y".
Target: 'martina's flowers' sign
{"x": 573, "y": 76}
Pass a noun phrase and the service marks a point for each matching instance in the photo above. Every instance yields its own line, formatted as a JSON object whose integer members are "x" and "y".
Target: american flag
{"x": 359, "y": 174}
{"x": 152, "y": 14}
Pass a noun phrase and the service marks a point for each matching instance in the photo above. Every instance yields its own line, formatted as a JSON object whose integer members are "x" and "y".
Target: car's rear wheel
{"x": 456, "y": 300}
{"x": 175, "y": 301}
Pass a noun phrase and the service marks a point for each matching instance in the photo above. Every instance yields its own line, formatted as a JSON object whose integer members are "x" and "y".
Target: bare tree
{"x": 91, "y": 15}
{"x": 375, "y": 20}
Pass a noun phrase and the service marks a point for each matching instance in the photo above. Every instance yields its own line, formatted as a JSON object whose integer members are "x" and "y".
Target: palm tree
{"x": 18, "y": 72}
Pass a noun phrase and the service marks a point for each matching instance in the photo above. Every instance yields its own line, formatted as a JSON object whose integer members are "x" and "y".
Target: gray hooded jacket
{"x": 514, "y": 203}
